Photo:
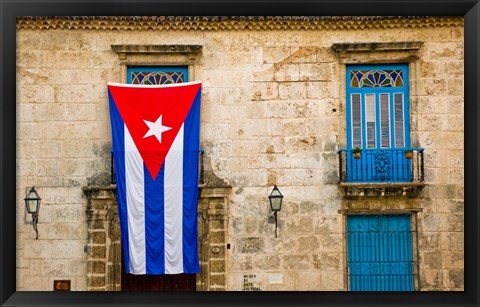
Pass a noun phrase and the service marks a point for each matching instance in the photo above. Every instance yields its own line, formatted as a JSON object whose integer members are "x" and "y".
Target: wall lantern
{"x": 276, "y": 199}
{"x": 32, "y": 203}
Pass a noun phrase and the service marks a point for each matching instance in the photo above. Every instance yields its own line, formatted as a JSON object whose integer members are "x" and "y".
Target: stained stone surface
{"x": 273, "y": 112}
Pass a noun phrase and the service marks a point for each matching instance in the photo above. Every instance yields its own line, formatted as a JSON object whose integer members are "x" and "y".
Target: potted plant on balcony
{"x": 356, "y": 153}
{"x": 409, "y": 154}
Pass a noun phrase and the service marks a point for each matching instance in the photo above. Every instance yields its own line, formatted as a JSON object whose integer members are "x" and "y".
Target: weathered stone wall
{"x": 437, "y": 119}
{"x": 273, "y": 112}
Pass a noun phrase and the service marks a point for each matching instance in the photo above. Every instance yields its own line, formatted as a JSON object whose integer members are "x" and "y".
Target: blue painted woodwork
{"x": 383, "y": 139}
{"x": 172, "y": 73}
{"x": 380, "y": 165}
{"x": 379, "y": 251}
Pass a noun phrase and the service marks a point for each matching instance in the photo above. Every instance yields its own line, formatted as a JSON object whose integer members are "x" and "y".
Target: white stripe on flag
{"x": 135, "y": 206}
{"x": 173, "y": 188}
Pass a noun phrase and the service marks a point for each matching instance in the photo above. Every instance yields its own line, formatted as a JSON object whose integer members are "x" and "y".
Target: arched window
{"x": 157, "y": 75}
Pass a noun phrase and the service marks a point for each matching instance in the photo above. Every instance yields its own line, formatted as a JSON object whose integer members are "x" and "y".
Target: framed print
{"x": 239, "y": 153}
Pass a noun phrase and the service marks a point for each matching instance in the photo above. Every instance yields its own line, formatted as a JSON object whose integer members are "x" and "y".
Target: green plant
{"x": 356, "y": 153}
{"x": 409, "y": 154}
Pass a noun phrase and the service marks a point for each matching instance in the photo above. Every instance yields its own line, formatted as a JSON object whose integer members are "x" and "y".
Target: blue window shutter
{"x": 356, "y": 121}
{"x": 399, "y": 120}
{"x": 370, "y": 120}
{"x": 385, "y": 120}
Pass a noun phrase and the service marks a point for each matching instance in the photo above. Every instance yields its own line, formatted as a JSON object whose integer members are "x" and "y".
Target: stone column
{"x": 114, "y": 250}
{"x": 213, "y": 222}
{"x": 101, "y": 248}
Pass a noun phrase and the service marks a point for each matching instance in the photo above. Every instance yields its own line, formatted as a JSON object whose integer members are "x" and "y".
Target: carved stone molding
{"x": 377, "y": 52}
{"x": 234, "y": 23}
{"x": 188, "y": 52}
{"x": 383, "y": 46}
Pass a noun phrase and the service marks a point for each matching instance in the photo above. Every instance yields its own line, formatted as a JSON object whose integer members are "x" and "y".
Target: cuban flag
{"x": 156, "y": 141}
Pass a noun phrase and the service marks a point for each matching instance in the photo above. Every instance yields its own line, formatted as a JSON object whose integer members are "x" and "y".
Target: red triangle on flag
{"x": 153, "y": 116}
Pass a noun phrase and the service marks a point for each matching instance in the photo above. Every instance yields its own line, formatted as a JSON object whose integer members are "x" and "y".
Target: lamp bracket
{"x": 271, "y": 218}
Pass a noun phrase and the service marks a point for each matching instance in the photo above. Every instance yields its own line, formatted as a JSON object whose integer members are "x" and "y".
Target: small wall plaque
{"x": 61, "y": 285}
{"x": 276, "y": 279}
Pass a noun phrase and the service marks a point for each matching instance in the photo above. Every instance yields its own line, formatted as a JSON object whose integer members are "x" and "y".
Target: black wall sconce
{"x": 275, "y": 199}
{"x": 32, "y": 203}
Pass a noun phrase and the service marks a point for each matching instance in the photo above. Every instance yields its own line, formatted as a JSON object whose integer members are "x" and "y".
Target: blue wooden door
{"x": 379, "y": 253}
{"x": 378, "y": 123}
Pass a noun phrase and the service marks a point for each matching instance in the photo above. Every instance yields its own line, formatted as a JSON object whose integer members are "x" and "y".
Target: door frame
{"x": 381, "y": 162}
{"x": 103, "y": 249}
{"x": 377, "y": 91}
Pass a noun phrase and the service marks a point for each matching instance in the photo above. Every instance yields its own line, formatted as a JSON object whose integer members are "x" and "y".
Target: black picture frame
{"x": 9, "y": 9}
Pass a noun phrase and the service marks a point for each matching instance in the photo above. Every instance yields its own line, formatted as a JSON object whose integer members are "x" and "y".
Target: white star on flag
{"x": 156, "y": 128}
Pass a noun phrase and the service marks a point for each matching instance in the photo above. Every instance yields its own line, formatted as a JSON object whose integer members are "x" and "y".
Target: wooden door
{"x": 380, "y": 253}
{"x": 157, "y": 283}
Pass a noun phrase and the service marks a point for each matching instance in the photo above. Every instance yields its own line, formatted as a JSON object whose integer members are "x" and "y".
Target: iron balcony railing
{"x": 201, "y": 178}
{"x": 381, "y": 165}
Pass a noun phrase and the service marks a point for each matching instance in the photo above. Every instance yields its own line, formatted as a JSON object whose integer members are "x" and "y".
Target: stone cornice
{"x": 399, "y": 52}
{"x": 233, "y": 23}
{"x": 157, "y": 48}
{"x": 383, "y": 46}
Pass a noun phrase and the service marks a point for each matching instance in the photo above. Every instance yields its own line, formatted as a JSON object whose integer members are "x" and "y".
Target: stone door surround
{"x": 103, "y": 248}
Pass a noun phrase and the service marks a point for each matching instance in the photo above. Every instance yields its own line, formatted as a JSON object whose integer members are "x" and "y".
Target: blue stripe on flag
{"x": 118, "y": 146}
{"x": 154, "y": 223}
{"x": 190, "y": 187}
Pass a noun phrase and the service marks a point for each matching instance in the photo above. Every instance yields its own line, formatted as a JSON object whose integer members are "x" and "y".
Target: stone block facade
{"x": 273, "y": 113}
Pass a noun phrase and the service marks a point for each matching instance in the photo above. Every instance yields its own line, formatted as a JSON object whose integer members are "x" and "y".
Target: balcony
{"x": 382, "y": 172}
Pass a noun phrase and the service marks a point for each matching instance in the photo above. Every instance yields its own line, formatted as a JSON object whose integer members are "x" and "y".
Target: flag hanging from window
{"x": 156, "y": 141}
